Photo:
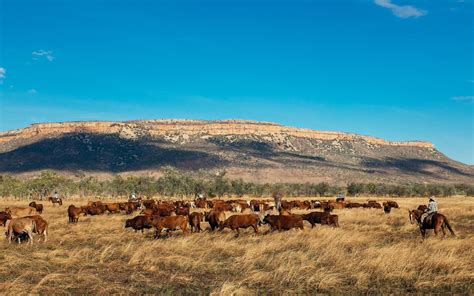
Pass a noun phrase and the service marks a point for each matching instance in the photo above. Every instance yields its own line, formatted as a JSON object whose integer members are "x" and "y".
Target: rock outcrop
{"x": 249, "y": 149}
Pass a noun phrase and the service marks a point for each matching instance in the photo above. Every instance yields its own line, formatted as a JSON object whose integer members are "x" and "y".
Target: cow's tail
{"x": 446, "y": 222}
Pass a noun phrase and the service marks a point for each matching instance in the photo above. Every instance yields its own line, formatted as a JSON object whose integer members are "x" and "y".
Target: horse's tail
{"x": 446, "y": 222}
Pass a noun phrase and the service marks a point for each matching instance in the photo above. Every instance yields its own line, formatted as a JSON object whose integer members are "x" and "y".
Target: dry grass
{"x": 371, "y": 253}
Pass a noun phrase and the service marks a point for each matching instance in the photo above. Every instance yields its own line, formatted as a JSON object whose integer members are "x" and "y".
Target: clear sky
{"x": 399, "y": 69}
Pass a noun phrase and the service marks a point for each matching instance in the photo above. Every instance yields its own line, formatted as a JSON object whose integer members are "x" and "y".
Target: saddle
{"x": 428, "y": 217}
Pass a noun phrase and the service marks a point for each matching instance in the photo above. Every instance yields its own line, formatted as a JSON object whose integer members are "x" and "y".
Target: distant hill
{"x": 254, "y": 151}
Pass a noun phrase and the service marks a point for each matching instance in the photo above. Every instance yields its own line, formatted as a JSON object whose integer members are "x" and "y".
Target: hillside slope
{"x": 261, "y": 152}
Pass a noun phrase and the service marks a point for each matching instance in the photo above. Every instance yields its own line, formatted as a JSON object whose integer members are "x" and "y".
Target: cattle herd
{"x": 166, "y": 216}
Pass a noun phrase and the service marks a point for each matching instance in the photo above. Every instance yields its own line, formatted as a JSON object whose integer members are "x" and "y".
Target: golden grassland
{"x": 371, "y": 253}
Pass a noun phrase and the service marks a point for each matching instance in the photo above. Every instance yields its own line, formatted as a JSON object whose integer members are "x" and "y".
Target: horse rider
{"x": 56, "y": 195}
{"x": 340, "y": 197}
{"x": 277, "y": 199}
{"x": 432, "y": 209}
{"x": 133, "y": 196}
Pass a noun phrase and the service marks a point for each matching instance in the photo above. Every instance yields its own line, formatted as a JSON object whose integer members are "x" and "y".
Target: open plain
{"x": 370, "y": 253}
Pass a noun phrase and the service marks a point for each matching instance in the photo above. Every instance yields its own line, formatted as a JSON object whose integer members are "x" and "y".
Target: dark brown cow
{"x": 392, "y": 204}
{"x": 38, "y": 207}
{"x": 387, "y": 208}
{"x": 316, "y": 217}
{"x": 149, "y": 203}
{"x": 279, "y": 223}
{"x": 236, "y": 222}
{"x": 41, "y": 227}
{"x": 214, "y": 218}
{"x": 195, "y": 219}
{"x": 73, "y": 213}
{"x": 169, "y": 223}
{"x": 374, "y": 204}
{"x": 139, "y": 223}
{"x": 351, "y": 205}
{"x": 4, "y": 217}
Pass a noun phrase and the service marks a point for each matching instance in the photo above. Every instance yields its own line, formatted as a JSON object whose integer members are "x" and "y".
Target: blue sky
{"x": 399, "y": 70}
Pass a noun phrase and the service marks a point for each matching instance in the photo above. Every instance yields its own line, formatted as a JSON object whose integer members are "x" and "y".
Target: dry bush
{"x": 370, "y": 253}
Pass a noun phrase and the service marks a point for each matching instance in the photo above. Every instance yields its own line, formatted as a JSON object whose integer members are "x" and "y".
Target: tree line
{"x": 174, "y": 183}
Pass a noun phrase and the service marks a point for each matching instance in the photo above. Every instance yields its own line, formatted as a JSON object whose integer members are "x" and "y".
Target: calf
{"x": 236, "y": 222}
{"x": 73, "y": 213}
{"x": 195, "y": 219}
{"x": 139, "y": 223}
{"x": 387, "y": 208}
{"x": 37, "y": 207}
{"x": 331, "y": 220}
{"x": 169, "y": 223}
{"x": 284, "y": 222}
{"x": 19, "y": 226}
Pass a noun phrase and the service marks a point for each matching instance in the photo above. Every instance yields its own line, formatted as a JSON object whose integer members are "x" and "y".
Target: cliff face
{"x": 188, "y": 129}
{"x": 249, "y": 149}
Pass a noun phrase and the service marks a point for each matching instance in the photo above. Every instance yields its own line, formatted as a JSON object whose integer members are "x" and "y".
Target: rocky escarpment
{"x": 260, "y": 151}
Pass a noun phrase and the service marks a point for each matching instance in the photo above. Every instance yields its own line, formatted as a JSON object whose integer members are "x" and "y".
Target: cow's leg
{"x": 255, "y": 228}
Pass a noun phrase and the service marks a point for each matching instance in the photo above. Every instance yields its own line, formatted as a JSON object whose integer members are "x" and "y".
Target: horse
{"x": 438, "y": 221}
{"x": 55, "y": 200}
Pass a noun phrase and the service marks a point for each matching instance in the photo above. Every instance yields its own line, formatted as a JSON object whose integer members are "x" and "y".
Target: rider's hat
{"x": 432, "y": 198}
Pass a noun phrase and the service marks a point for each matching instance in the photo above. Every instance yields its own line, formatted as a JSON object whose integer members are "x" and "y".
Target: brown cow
{"x": 374, "y": 204}
{"x": 38, "y": 207}
{"x": 331, "y": 220}
{"x": 387, "y": 208}
{"x": 17, "y": 212}
{"x": 236, "y": 222}
{"x": 41, "y": 226}
{"x": 195, "y": 219}
{"x": 73, "y": 213}
{"x": 4, "y": 217}
{"x": 214, "y": 218}
{"x": 139, "y": 223}
{"x": 19, "y": 226}
{"x": 183, "y": 211}
{"x": 169, "y": 223}
{"x": 284, "y": 222}
{"x": 112, "y": 208}
{"x": 93, "y": 210}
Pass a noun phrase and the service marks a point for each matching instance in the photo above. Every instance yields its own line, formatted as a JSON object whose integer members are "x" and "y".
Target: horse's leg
{"x": 443, "y": 230}
{"x": 423, "y": 233}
